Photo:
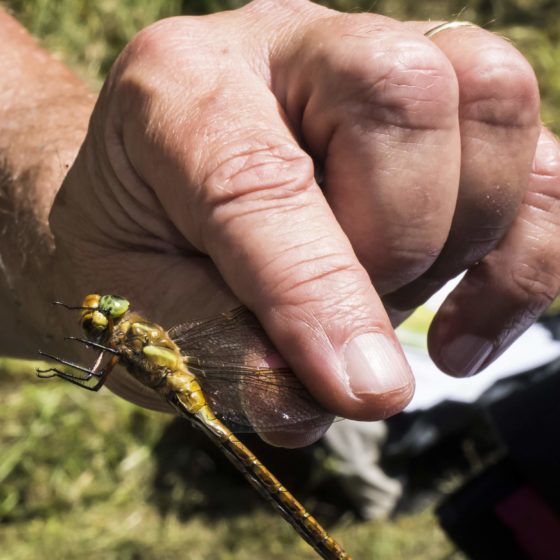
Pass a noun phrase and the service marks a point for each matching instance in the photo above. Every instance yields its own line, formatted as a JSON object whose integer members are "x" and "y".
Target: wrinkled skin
{"x": 196, "y": 189}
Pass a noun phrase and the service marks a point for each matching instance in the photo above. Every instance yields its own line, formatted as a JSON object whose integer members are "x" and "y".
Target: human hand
{"x": 195, "y": 189}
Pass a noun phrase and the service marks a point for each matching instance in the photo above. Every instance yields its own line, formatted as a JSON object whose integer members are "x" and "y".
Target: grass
{"x": 91, "y": 476}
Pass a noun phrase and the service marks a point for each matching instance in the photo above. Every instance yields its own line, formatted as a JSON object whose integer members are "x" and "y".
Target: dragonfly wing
{"x": 230, "y": 356}
{"x": 259, "y": 399}
{"x": 233, "y": 337}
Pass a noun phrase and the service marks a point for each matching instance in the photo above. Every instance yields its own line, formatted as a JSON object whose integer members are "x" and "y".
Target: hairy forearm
{"x": 44, "y": 110}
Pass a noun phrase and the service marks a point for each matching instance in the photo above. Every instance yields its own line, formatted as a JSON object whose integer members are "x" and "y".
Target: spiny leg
{"x": 93, "y": 344}
{"x": 90, "y": 372}
{"x": 71, "y": 379}
{"x": 100, "y": 374}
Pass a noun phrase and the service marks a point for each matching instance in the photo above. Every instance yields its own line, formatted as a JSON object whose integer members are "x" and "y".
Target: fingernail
{"x": 375, "y": 365}
{"x": 465, "y": 354}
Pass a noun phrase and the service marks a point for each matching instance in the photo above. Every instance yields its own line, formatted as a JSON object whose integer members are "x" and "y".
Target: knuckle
{"x": 332, "y": 285}
{"x": 386, "y": 74}
{"x": 168, "y": 48}
{"x": 262, "y": 184}
{"x": 148, "y": 66}
{"x": 499, "y": 88}
{"x": 418, "y": 90}
{"x": 404, "y": 82}
{"x": 297, "y": 278}
{"x": 270, "y": 169}
{"x": 154, "y": 42}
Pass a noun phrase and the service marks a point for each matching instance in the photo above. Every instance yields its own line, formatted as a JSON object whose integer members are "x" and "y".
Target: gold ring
{"x": 448, "y": 25}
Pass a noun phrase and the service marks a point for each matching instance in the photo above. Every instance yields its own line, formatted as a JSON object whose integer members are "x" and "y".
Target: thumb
{"x": 289, "y": 261}
{"x": 267, "y": 227}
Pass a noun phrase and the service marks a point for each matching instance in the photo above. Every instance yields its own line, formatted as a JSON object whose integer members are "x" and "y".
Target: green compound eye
{"x": 113, "y": 306}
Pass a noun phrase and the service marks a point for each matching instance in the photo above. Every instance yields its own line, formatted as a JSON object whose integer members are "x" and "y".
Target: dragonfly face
{"x": 100, "y": 312}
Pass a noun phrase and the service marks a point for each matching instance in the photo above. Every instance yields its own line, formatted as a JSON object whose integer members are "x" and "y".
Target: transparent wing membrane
{"x": 235, "y": 337}
{"x": 249, "y": 399}
{"x": 246, "y": 397}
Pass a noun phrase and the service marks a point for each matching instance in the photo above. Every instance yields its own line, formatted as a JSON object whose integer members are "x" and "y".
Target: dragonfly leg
{"x": 95, "y": 372}
{"x": 92, "y": 344}
{"x": 80, "y": 381}
{"x": 89, "y": 372}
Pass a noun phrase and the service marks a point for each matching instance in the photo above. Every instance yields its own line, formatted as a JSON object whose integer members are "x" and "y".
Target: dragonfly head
{"x": 101, "y": 311}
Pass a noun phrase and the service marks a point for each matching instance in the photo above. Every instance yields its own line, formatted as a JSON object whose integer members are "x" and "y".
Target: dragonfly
{"x": 200, "y": 368}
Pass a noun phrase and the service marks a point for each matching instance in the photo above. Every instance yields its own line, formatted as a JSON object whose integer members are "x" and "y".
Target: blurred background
{"x": 92, "y": 476}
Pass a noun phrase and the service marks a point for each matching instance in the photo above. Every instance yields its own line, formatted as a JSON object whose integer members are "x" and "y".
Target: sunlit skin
{"x": 194, "y": 190}
{"x": 150, "y": 355}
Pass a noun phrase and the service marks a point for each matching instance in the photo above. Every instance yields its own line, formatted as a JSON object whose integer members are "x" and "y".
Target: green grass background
{"x": 94, "y": 477}
{"x": 91, "y": 476}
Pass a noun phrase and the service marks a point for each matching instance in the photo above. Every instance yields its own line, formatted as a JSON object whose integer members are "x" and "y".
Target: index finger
{"x": 238, "y": 186}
